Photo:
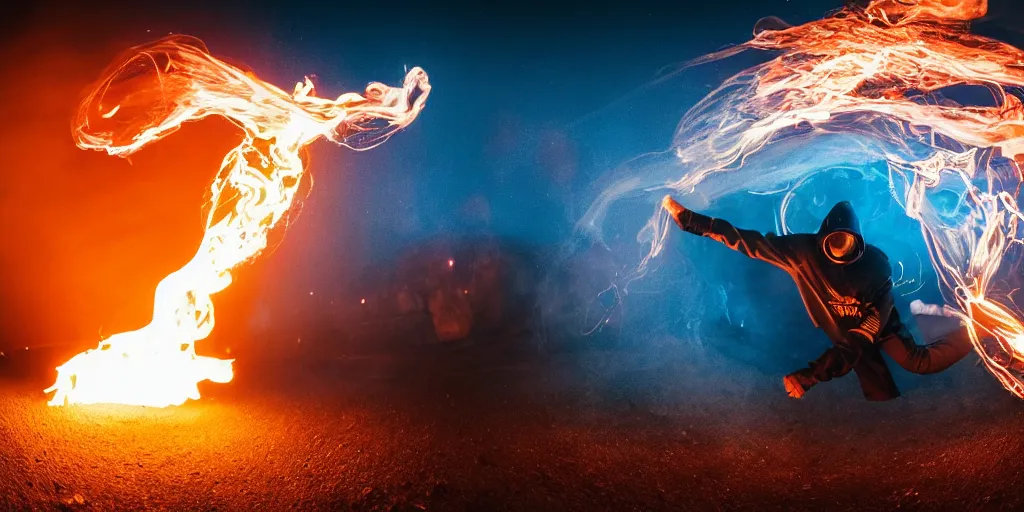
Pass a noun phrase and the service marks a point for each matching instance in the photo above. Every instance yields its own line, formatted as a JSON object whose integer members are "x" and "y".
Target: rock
{"x": 77, "y": 500}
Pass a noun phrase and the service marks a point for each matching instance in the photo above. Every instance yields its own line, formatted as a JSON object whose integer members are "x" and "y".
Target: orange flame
{"x": 146, "y": 95}
{"x": 904, "y": 11}
{"x": 873, "y": 79}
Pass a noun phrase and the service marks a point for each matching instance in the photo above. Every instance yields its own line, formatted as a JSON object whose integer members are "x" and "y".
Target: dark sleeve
{"x": 834, "y": 363}
{"x": 768, "y": 248}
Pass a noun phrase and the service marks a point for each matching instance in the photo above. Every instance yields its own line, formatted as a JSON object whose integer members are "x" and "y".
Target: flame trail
{"x": 869, "y": 82}
{"x": 146, "y": 95}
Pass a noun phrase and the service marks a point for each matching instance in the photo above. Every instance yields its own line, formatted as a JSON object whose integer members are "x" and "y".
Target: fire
{"x": 147, "y": 94}
{"x": 873, "y": 79}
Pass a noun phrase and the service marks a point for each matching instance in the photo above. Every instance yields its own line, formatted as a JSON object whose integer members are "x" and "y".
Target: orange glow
{"x": 872, "y": 75}
{"x": 921, "y": 10}
{"x": 147, "y": 94}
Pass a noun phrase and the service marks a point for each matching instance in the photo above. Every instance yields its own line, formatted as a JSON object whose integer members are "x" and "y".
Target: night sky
{"x": 531, "y": 105}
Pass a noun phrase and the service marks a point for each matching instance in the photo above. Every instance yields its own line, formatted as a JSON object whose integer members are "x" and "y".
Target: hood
{"x": 842, "y": 219}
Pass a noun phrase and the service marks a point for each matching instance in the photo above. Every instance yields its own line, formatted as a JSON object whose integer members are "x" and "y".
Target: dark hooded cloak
{"x": 851, "y": 300}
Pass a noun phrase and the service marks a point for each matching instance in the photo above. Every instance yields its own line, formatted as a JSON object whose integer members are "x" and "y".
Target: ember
{"x": 147, "y": 94}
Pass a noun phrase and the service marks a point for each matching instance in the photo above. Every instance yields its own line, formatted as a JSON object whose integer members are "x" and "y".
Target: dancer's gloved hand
{"x": 672, "y": 207}
{"x": 918, "y": 307}
{"x": 797, "y": 383}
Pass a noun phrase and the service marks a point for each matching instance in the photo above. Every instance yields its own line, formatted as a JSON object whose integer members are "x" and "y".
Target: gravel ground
{"x": 662, "y": 428}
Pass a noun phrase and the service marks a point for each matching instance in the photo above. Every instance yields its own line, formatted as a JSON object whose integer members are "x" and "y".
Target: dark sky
{"x": 517, "y": 126}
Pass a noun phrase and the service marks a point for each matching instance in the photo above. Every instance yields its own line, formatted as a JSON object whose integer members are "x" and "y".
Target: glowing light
{"x": 362, "y": 301}
{"x": 451, "y": 263}
{"x": 872, "y": 85}
{"x": 148, "y": 93}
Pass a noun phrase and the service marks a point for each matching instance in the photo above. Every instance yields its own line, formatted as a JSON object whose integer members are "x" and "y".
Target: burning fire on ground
{"x": 872, "y": 78}
{"x": 147, "y": 94}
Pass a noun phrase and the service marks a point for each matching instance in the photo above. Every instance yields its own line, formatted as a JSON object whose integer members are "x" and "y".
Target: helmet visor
{"x": 840, "y": 246}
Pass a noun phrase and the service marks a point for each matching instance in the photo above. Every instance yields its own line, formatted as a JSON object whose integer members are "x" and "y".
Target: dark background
{"x": 533, "y": 104}
{"x": 517, "y": 128}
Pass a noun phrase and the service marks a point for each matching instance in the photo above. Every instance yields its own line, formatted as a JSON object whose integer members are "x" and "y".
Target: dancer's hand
{"x": 793, "y": 386}
{"x": 672, "y": 206}
{"x": 918, "y": 307}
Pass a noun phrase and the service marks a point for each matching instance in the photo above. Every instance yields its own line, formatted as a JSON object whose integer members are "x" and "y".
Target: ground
{"x": 659, "y": 426}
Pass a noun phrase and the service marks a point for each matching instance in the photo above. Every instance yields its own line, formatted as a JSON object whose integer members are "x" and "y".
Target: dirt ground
{"x": 663, "y": 426}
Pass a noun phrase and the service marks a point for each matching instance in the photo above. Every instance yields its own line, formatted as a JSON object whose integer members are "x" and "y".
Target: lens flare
{"x": 872, "y": 84}
{"x": 147, "y": 94}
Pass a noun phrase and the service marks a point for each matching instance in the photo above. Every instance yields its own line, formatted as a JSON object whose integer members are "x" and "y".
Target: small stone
{"x": 77, "y": 499}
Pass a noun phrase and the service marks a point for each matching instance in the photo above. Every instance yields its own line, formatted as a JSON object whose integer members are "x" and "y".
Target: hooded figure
{"x": 846, "y": 286}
